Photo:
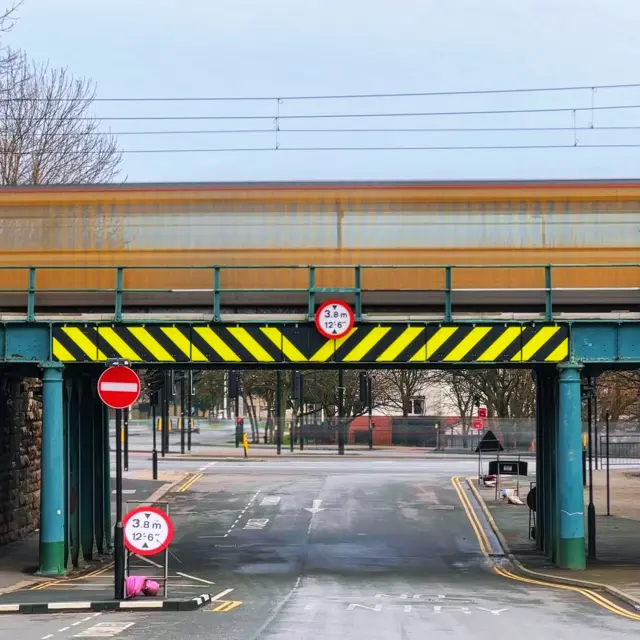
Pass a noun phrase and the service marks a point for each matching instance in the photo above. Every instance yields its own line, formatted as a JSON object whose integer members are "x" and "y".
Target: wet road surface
{"x": 342, "y": 549}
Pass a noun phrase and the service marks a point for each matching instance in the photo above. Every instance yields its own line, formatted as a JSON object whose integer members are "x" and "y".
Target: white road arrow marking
{"x": 316, "y": 507}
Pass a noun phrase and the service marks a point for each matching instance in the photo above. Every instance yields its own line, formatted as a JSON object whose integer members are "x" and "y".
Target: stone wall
{"x": 20, "y": 447}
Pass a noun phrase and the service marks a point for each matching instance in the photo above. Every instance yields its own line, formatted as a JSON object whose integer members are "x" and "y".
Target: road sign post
{"x": 149, "y": 531}
{"x": 119, "y": 388}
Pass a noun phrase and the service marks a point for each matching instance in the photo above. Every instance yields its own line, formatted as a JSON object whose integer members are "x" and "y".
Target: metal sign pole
{"x": 189, "y": 408}
{"x": 119, "y": 531}
{"x": 126, "y": 439}
{"x": 154, "y": 428}
{"x": 608, "y": 464}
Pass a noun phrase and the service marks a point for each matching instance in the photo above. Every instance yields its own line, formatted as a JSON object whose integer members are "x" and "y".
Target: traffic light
{"x": 296, "y": 385}
{"x": 363, "y": 387}
{"x": 233, "y": 384}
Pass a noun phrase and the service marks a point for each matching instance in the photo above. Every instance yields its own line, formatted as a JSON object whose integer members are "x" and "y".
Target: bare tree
{"x": 8, "y": 19}
{"x": 48, "y": 135}
{"x": 400, "y": 386}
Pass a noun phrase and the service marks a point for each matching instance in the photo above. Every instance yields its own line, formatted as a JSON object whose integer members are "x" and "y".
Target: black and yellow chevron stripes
{"x": 301, "y": 343}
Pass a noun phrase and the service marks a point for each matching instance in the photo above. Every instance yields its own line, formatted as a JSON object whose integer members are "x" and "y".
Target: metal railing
{"x": 621, "y": 450}
{"x": 447, "y": 277}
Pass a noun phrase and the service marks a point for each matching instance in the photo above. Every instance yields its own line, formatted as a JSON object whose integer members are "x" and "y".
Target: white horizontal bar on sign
{"x": 118, "y": 386}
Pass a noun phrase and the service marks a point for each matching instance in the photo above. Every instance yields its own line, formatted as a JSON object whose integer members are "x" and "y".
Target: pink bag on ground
{"x": 135, "y": 585}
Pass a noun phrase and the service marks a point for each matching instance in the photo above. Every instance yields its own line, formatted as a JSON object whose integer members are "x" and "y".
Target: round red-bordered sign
{"x": 147, "y": 531}
{"x": 334, "y": 319}
{"x": 119, "y": 387}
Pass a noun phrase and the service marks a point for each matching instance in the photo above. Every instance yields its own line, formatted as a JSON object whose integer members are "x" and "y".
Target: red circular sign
{"x": 147, "y": 530}
{"x": 119, "y": 387}
{"x": 334, "y": 319}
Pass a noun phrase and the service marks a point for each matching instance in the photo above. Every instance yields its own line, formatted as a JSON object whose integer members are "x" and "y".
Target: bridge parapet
{"x": 445, "y": 290}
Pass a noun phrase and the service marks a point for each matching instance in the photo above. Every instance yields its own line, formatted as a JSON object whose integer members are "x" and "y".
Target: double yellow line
{"x": 222, "y": 606}
{"x": 485, "y": 548}
{"x": 185, "y": 486}
{"x": 53, "y": 583}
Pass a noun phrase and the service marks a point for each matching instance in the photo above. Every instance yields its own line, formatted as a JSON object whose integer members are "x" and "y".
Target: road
{"x": 332, "y": 549}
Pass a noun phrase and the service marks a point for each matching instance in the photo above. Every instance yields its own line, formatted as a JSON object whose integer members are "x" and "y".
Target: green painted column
{"x": 547, "y": 410}
{"x": 571, "y": 550}
{"x": 52, "y": 561}
{"x": 98, "y": 472}
{"x": 540, "y": 479}
{"x": 86, "y": 485}
{"x": 75, "y": 401}
{"x": 106, "y": 477}
{"x": 67, "y": 387}
{"x": 553, "y": 467}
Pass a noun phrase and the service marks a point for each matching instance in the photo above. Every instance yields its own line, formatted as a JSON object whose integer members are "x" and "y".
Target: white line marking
{"x": 52, "y": 606}
{"x": 256, "y": 523}
{"x": 64, "y": 629}
{"x": 186, "y": 575}
{"x": 316, "y": 507}
{"x": 141, "y": 604}
{"x": 151, "y": 562}
{"x": 50, "y": 635}
{"x": 220, "y": 595}
{"x": 119, "y": 386}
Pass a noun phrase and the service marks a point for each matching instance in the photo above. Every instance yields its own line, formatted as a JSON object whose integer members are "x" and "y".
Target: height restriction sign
{"x": 147, "y": 531}
{"x": 334, "y": 319}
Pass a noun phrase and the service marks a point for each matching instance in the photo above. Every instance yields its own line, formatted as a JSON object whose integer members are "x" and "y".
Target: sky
{"x": 253, "y": 48}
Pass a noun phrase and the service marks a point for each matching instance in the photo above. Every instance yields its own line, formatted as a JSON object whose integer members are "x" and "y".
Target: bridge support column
{"x": 74, "y": 388}
{"x": 541, "y": 485}
{"x": 86, "y": 486}
{"x": 546, "y": 494}
{"x": 106, "y": 479}
{"x": 52, "y": 560}
{"x": 98, "y": 471}
{"x": 570, "y": 510}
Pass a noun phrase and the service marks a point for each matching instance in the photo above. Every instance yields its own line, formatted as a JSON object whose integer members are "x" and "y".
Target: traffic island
{"x": 100, "y": 606}
{"x": 616, "y": 571}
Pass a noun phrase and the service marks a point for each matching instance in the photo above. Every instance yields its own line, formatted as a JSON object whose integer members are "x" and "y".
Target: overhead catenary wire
{"x": 321, "y": 116}
{"x": 353, "y": 96}
{"x": 343, "y": 148}
{"x": 355, "y": 130}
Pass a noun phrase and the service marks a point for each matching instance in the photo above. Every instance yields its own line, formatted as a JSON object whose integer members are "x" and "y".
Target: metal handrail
{"x": 217, "y": 290}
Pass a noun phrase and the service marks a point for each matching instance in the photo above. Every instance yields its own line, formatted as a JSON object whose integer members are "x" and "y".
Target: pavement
{"x": 337, "y": 548}
{"x": 617, "y": 562}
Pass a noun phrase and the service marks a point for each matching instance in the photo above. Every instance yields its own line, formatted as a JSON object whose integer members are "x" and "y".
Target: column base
{"x": 52, "y": 562}
{"x": 572, "y": 554}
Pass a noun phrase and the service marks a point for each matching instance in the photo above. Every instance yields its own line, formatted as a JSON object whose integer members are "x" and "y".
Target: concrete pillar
{"x": 52, "y": 496}
{"x": 571, "y": 550}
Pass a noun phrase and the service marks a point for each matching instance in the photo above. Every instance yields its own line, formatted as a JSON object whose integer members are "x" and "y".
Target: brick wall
{"x": 20, "y": 447}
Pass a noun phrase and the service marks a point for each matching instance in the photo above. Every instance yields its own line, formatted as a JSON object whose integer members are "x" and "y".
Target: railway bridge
{"x": 101, "y": 289}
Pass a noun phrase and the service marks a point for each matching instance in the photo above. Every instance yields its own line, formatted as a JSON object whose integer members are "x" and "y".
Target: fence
{"x": 623, "y": 450}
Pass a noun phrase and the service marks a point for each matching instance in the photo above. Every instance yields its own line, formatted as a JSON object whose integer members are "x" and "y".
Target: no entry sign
{"x": 119, "y": 387}
{"x": 147, "y": 531}
{"x": 334, "y": 319}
